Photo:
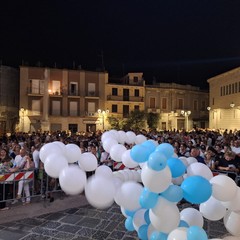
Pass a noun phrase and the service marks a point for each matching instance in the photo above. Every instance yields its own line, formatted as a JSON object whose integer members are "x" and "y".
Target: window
{"x": 91, "y": 108}
{"x": 152, "y": 102}
{"x": 180, "y": 103}
{"x": 229, "y": 89}
{"x": 73, "y": 109}
{"x": 125, "y": 110}
{"x": 36, "y": 107}
{"x": 136, "y": 108}
{"x": 136, "y": 92}
{"x": 73, "y": 89}
{"x": 114, "y": 91}
{"x": 56, "y": 87}
{"x": 195, "y": 105}
{"x": 91, "y": 89}
{"x": 236, "y": 86}
{"x": 125, "y": 94}
{"x": 73, "y": 128}
{"x": 135, "y": 79}
{"x": 164, "y": 103}
{"x": 233, "y": 88}
{"x": 37, "y": 86}
{"x": 203, "y": 105}
{"x": 114, "y": 108}
{"x": 56, "y": 108}
{"x": 224, "y": 91}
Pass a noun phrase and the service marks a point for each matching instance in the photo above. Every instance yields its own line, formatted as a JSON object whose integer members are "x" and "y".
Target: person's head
{"x": 183, "y": 147}
{"x": 195, "y": 152}
{"x": 229, "y": 155}
{"x": 3, "y": 153}
{"x": 22, "y": 152}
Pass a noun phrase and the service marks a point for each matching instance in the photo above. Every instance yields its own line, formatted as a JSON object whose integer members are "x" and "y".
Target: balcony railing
{"x": 125, "y": 98}
{"x": 92, "y": 94}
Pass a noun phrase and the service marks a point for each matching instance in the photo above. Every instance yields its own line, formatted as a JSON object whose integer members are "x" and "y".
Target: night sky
{"x": 178, "y": 41}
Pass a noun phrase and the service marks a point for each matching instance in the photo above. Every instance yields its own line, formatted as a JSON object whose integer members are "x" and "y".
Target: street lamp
{"x": 102, "y": 114}
{"x": 186, "y": 114}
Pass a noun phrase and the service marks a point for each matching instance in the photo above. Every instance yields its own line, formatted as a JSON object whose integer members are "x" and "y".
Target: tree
{"x": 116, "y": 123}
{"x": 136, "y": 120}
{"x": 153, "y": 120}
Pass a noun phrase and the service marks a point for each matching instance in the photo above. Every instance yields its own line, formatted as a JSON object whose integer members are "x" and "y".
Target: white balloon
{"x": 191, "y": 160}
{"x": 108, "y": 134}
{"x": 138, "y": 218}
{"x": 73, "y": 152}
{"x": 117, "y": 182}
{"x": 119, "y": 174}
{"x": 140, "y": 139}
{"x": 212, "y": 209}
{"x": 178, "y": 234}
{"x": 127, "y": 160}
{"x": 54, "y": 164}
{"x": 232, "y": 223}
{"x": 234, "y": 204}
{"x": 88, "y": 162}
{"x": 72, "y": 180}
{"x": 100, "y": 192}
{"x": 178, "y": 181}
{"x": 192, "y": 217}
{"x": 131, "y": 136}
{"x": 130, "y": 192}
{"x": 159, "y": 216}
{"x": 151, "y": 229}
{"x": 109, "y": 143}
{"x": 200, "y": 170}
{"x": 117, "y": 151}
{"x": 115, "y": 133}
{"x": 224, "y": 188}
{"x": 122, "y": 137}
{"x": 104, "y": 171}
{"x": 47, "y": 149}
{"x": 156, "y": 181}
{"x": 230, "y": 238}
{"x": 61, "y": 145}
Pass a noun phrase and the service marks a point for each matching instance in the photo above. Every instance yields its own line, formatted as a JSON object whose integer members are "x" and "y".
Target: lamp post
{"x": 186, "y": 115}
{"x": 102, "y": 114}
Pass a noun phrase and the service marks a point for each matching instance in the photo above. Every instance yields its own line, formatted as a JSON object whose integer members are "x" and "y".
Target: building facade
{"x": 60, "y": 99}
{"x": 179, "y": 106}
{"x": 77, "y": 100}
{"x": 224, "y": 104}
{"x": 9, "y": 99}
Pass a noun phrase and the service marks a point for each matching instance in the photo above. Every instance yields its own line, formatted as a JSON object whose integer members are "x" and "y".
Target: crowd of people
{"x": 20, "y": 151}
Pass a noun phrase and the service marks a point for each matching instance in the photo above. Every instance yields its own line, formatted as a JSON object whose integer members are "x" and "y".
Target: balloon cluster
{"x": 148, "y": 196}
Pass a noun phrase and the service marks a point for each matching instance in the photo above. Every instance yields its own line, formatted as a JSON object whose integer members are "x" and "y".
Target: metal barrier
{"x": 38, "y": 182}
{"x": 233, "y": 175}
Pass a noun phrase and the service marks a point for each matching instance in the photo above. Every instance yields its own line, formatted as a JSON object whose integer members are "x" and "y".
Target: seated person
{"x": 229, "y": 163}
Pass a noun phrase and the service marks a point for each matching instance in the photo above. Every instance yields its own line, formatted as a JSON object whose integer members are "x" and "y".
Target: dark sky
{"x": 181, "y": 41}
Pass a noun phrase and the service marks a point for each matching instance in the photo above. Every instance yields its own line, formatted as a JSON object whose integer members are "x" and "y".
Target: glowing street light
{"x": 186, "y": 115}
{"x": 102, "y": 114}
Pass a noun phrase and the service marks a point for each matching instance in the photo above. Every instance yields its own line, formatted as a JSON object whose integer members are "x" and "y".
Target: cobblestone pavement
{"x": 84, "y": 222}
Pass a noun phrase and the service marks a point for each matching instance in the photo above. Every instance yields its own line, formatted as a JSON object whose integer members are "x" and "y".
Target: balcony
{"x": 154, "y": 110}
{"x": 125, "y": 98}
{"x": 35, "y": 91}
{"x": 92, "y": 94}
{"x": 73, "y": 94}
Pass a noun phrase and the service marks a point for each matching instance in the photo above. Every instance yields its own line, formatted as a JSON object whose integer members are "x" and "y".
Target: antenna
{"x": 102, "y": 61}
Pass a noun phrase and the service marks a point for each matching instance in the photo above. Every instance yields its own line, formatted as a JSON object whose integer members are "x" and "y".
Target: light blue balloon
{"x": 196, "y": 233}
{"x": 150, "y": 145}
{"x": 146, "y": 217}
{"x": 196, "y": 189}
{"x": 142, "y": 232}
{"x": 176, "y": 166}
{"x": 157, "y": 161}
{"x": 139, "y": 153}
{"x": 158, "y": 236}
{"x": 148, "y": 199}
{"x": 182, "y": 223}
{"x": 165, "y": 148}
{"x": 129, "y": 224}
{"x": 129, "y": 213}
{"x": 173, "y": 193}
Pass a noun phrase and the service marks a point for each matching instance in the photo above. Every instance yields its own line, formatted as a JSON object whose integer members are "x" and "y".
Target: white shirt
{"x": 36, "y": 158}
{"x": 18, "y": 161}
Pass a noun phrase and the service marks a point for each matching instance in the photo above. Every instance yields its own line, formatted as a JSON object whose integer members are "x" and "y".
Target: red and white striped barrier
{"x": 17, "y": 176}
{"x": 118, "y": 166}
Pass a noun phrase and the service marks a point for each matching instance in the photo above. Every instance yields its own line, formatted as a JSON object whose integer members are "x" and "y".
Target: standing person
{"x": 105, "y": 158}
{"x": 5, "y": 165}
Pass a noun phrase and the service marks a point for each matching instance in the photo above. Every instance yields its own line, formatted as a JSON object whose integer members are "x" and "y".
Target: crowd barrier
{"x": 233, "y": 175}
{"x": 40, "y": 185}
